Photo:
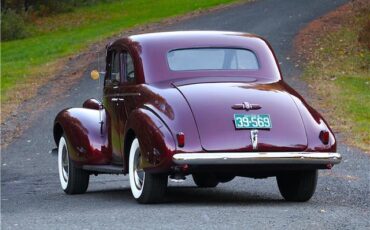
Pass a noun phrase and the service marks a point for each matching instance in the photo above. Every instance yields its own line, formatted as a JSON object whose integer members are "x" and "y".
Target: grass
{"x": 338, "y": 72}
{"x": 66, "y": 34}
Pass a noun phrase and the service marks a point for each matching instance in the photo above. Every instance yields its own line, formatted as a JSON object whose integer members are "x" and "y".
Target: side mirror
{"x": 94, "y": 75}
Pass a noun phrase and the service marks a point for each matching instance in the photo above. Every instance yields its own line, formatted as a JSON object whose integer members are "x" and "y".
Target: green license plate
{"x": 253, "y": 121}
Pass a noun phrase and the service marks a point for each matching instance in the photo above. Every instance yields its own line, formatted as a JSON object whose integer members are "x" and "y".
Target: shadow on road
{"x": 189, "y": 195}
{"x": 194, "y": 195}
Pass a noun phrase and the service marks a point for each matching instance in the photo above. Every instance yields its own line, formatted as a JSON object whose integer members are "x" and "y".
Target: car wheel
{"x": 73, "y": 180}
{"x": 297, "y": 186}
{"x": 205, "y": 180}
{"x": 145, "y": 187}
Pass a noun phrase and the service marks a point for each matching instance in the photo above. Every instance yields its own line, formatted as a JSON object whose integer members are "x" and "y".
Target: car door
{"x": 114, "y": 103}
{"x": 127, "y": 90}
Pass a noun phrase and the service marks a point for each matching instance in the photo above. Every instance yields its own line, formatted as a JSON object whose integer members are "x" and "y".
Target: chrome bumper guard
{"x": 257, "y": 158}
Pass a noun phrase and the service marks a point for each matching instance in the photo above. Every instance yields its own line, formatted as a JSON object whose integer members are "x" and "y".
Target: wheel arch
{"x": 57, "y": 132}
{"x": 156, "y": 140}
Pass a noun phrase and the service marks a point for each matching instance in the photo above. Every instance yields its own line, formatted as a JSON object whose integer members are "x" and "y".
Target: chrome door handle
{"x": 116, "y": 99}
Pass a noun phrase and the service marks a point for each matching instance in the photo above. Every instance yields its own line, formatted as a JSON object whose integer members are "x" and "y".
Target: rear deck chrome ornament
{"x": 246, "y": 105}
{"x": 254, "y": 138}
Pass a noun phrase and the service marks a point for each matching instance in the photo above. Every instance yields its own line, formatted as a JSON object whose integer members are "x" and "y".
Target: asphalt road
{"x": 31, "y": 197}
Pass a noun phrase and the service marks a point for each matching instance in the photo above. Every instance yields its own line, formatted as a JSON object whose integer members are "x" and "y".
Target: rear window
{"x": 212, "y": 59}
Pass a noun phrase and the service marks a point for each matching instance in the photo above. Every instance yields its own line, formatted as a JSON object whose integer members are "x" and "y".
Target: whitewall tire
{"x": 63, "y": 163}
{"x": 137, "y": 175}
{"x": 145, "y": 187}
{"x": 73, "y": 180}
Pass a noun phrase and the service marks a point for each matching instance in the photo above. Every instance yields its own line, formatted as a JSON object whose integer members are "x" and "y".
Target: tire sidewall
{"x": 137, "y": 193}
{"x": 298, "y": 187}
{"x": 62, "y": 144}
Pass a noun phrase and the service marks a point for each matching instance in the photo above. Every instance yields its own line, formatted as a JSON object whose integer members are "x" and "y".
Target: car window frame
{"x": 210, "y": 70}
{"x": 108, "y": 81}
{"x": 125, "y": 80}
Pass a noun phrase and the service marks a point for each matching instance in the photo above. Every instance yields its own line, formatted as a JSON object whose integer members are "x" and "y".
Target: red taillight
{"x": 324, "y": 137}
{"x": 181, "y": 139}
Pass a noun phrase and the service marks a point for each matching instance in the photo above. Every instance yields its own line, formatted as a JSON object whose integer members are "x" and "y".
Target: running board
{"x": 110, "y": 169}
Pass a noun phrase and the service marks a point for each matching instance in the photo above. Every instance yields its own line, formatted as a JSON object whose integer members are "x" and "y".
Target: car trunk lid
{"x": 212, "y": 106}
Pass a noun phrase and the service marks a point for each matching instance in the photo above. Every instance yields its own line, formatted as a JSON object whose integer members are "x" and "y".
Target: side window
{"x": 114, "y": 69}
{"x": 129, "y": 67}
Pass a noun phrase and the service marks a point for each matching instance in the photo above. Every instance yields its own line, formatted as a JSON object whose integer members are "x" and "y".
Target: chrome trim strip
{"x": 130, "y": 94}
{"x": 257, "y": 158}
{"x": 122, "y": 94}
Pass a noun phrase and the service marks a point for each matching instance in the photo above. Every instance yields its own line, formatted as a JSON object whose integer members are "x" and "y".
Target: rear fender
{"x": 156, "y": 142}
{"x": 86, "y": 139}
{"x": 314, "y": 123}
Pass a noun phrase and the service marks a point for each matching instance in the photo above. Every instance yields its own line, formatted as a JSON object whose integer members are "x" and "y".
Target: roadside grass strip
{"x": 55, "y": 37}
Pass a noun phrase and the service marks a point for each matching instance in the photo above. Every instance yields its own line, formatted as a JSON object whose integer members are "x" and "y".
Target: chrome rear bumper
{"x": 257, "y": 158}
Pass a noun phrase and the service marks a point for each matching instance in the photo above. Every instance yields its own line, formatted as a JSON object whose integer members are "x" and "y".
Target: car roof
{"x": 152, "y": 49}
{"x": 181, "y": 37}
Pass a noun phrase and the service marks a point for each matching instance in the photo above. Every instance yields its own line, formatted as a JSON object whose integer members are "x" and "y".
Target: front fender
{"x": 86, "y": 140}
{"x": 156, "y": 141}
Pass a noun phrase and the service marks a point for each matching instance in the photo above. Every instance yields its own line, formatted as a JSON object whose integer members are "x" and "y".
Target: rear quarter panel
{"x": 314, "y": 123}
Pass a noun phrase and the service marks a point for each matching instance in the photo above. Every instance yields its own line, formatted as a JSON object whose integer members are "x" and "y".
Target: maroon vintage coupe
{"x": 210, "y": 104}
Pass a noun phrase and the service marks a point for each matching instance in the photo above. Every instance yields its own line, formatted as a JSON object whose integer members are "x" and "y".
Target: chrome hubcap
{"x": 139, "y": 174}
{"x": 65, "y": 163}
